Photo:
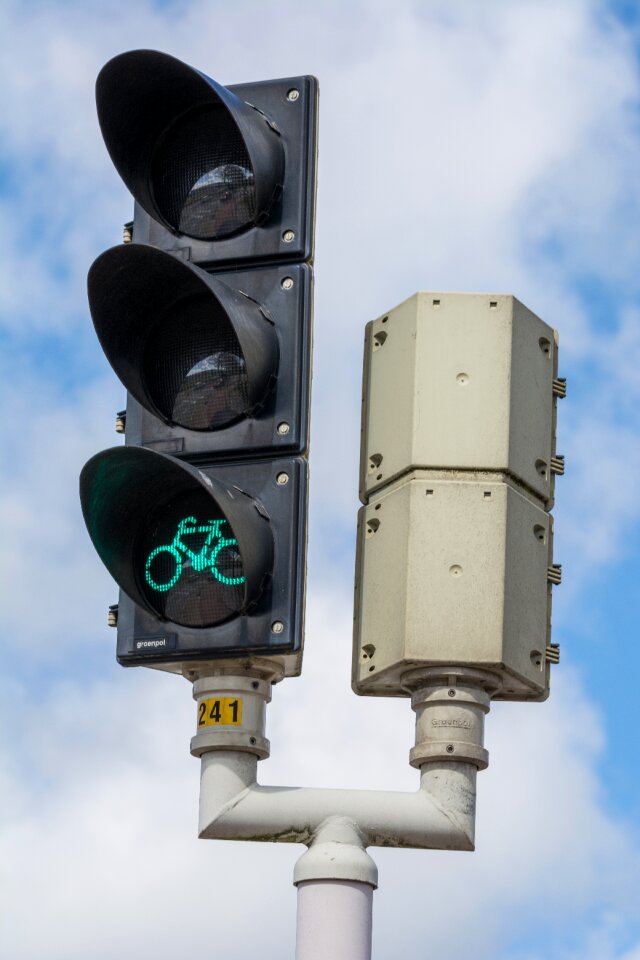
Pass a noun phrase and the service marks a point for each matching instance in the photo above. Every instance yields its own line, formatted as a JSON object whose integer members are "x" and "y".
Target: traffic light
{"x": 205, "y": 315}
{"x": 458, "y": 462}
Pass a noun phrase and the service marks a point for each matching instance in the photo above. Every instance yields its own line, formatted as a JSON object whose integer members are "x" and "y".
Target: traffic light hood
{"x": 194, "y": 155}
{"x": 121, "y": 488}
{"x": 189, "y": 348}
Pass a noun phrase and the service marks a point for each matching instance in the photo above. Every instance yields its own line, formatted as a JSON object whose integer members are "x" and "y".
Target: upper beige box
{"x": 460, "y": 381}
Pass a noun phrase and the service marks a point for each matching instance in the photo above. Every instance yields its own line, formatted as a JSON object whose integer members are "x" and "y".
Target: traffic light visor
{"x": 195, "y": 156}
{"x": 190, "y": 349}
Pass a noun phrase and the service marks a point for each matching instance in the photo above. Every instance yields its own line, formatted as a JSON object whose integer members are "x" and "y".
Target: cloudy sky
{"x": 487, "y": 145}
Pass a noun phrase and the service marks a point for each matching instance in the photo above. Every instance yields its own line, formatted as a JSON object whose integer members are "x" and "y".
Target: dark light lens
{"x": 194, "y": 369}
{"x": 188, "y": 562}
{"x": 202, "y": 178}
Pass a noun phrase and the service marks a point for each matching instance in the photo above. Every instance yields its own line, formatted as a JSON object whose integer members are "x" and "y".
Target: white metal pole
{"x": 335, "y": 878}
{"x": 334, "y": 920}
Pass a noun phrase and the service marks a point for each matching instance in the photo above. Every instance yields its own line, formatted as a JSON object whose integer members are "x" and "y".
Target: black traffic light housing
{"x": 148, "y": 307}
{"x": 161, "y": 119}
{"x": 206, "y": 318}
{"x": 123, "y": 491}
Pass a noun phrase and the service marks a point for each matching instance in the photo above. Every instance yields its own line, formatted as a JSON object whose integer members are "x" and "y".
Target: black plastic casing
{"x": 296, "y": 121}
{"x": 286, "y": 403}
{"x": 140, "y": 96}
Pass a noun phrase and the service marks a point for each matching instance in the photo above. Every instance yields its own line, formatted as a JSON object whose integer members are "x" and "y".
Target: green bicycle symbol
{"x": 205, "y": 559}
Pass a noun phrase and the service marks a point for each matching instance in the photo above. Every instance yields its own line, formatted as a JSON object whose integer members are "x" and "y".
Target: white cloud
{"x": 46, "y": 555}
{"x": 105, "y": 844}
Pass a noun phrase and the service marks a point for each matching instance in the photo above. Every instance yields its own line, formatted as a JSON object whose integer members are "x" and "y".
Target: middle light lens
{"x": 194, "y": 368}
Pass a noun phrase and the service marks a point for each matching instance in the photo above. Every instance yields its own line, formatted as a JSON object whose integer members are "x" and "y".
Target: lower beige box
{"x": 453, "y": 571}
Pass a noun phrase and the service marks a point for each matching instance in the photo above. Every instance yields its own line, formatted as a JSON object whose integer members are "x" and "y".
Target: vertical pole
{"x": 334, "y": 920}
{"x": 335, "y": 878}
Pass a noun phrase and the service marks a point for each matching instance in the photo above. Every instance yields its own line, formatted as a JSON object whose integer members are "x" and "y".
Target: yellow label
{"x": 221, "y": 711}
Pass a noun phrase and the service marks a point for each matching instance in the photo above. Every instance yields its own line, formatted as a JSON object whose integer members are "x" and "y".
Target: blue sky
{"x": 463, "y": 146}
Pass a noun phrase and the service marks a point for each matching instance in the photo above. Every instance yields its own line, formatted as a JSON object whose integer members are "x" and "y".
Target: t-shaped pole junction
{"x": 336, "y": 877}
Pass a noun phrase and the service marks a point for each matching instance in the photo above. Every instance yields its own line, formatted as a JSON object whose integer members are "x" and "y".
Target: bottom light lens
{"x": 188, "y": 562}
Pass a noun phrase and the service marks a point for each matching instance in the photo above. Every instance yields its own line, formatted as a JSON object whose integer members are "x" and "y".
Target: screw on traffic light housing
{"x": 205, "y": 316}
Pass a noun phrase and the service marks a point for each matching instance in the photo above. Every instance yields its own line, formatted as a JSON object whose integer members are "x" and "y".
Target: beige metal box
{"x": 460, "y": 381}
{"x": 455, "y": 557}
{"x": 453, "y": 572}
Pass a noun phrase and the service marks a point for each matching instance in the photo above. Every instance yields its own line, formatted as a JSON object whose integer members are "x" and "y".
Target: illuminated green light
{"x": 163, "y": 586}
{"x": 205, "y": 559}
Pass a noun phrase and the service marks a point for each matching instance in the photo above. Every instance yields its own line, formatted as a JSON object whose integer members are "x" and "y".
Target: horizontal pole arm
{"x": 233, "y": 806}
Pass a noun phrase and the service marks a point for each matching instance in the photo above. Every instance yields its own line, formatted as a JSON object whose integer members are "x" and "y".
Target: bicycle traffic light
{"x": 205, "y": 315}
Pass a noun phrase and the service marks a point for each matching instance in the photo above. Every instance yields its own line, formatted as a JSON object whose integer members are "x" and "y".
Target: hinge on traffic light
{"x": 121, "y": 421}
{"x": 180, "y": 253}
{"x": 270, "y": 123}
{"x": 557, "y": 465}
{"x": 263, "y": 310}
